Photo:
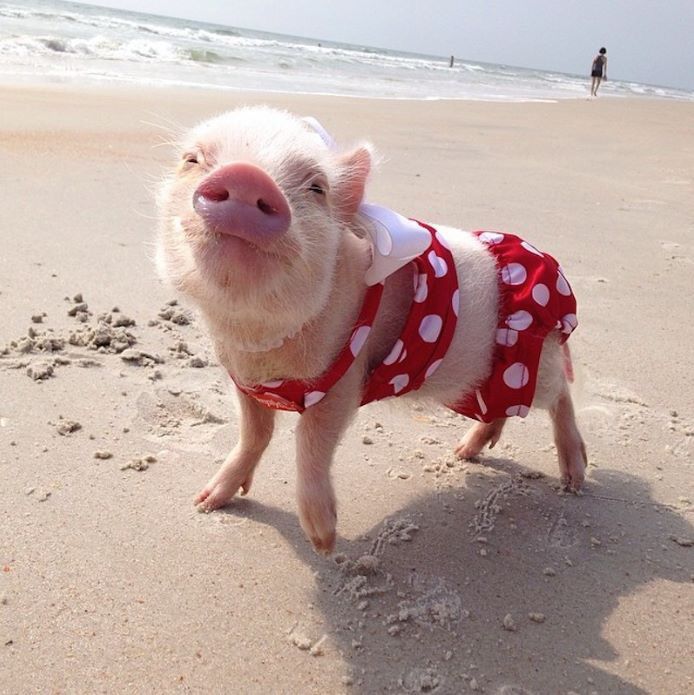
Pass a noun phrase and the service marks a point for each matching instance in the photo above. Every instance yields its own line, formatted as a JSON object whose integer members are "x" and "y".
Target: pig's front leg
{"x": 237, "y": 470}
{"x": 317, "y": 435}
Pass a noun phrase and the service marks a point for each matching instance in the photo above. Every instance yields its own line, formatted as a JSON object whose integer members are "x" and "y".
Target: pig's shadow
{"x": 569, "y": 558}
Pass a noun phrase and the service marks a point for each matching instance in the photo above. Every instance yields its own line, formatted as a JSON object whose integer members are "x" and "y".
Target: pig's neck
{"x": 256, "y": 347}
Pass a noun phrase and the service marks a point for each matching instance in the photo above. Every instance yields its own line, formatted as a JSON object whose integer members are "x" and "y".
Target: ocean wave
{"x": 203, "y": 55}
{"x": 13, "y": 12}
{"x": 105, "y": 48}
{"x": 16, "y": 12}
{"x": 105, "y": 22}
{"x": 227, "y": 32}
{"x": 221, "y": 38}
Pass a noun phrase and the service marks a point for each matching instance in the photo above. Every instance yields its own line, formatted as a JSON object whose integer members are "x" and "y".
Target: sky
{"x": 647, "y": 40}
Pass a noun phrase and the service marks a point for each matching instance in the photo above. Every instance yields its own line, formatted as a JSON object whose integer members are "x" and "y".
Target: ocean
{"x": 66, "y": 42}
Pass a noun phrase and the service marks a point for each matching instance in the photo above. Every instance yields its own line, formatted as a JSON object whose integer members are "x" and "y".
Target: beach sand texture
{"x": 449, "y": 576}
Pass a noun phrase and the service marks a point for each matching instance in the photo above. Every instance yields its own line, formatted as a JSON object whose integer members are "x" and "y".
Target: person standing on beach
{"x": 599, "y": 71}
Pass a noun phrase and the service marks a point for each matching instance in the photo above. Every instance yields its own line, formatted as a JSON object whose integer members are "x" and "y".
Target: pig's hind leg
{"x": 553, "y": 393}
{"x": 478, "y": 436}
{"x": 571, "y": 449}
{"x": 256, "y": 426}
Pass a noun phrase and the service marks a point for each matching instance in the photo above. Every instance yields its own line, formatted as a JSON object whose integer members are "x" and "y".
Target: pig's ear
{"x": 354, "y": 168}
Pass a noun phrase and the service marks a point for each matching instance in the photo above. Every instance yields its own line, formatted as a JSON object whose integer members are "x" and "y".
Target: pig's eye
{"x": 192, "y": 159}
{"x": 316, "y": 188}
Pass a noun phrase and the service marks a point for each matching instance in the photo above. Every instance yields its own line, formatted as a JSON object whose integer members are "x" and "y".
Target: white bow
{"x": 395, "y": 240}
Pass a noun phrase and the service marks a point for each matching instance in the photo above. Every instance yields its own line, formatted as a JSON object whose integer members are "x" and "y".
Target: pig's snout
{"x": 241, "y": 200}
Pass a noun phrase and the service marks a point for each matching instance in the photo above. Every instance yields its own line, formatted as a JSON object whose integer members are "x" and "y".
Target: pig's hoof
{"x": 324, "y": 546}
{"x": 573, "y": 481}
{"x": 321, "y": 535}
{"x": 572, "y": 465}
{"x": 219, "y": 492}
{"x": 465, "y": 450}
{"x": 318, "y": 519}
{"x": 470, "y": 445}
{"x": 209, "y": 501}
{"x": 477, "y": 437}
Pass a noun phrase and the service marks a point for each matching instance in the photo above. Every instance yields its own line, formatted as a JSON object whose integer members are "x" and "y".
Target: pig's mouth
{"x": 259, "y": 226}
{"x": 220, "y": 250}
{"x": 222, "y": 239}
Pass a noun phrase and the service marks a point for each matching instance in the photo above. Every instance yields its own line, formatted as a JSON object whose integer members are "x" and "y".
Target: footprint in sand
{"x": 422, "y": 680}
{"x": 561, "y": 534}
{"x": 169, "y": 414}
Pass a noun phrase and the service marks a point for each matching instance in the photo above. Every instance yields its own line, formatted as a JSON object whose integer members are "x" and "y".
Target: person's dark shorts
{"x": 596, "y": 73}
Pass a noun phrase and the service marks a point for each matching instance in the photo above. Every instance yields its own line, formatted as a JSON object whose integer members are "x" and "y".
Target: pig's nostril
{"x": 265, "y": 207}
{"x": 219, "y": 195}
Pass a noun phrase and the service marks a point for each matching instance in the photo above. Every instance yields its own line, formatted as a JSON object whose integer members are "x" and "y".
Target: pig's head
{"x": 253, "y": 218}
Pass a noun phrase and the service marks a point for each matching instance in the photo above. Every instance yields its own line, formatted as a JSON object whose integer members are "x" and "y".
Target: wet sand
{"x": 449, "y": 576}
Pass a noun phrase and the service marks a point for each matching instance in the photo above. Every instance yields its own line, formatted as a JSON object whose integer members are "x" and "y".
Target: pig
{"x": 263, "y": 225}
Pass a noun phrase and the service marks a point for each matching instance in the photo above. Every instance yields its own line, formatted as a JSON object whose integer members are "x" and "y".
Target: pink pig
{"x": 311, "y": 308}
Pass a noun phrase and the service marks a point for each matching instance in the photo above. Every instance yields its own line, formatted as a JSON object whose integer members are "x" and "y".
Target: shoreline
{"x": 107, "y": 83}
{"x": 110, "y": 84}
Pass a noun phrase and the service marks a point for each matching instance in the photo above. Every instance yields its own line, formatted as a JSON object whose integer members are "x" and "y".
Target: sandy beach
{"x": 449, "y": 576}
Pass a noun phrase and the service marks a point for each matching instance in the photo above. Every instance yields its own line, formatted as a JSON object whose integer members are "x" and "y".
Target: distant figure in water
{"x": 599, "y": 71}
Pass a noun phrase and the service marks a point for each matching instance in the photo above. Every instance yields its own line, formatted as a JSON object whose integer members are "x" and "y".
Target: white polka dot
{"x": 491, "y": 237}
{"x": 541, "y": 294}
{"x": 422, "y": 290}
{"x": 563, "y": 285}
{"x": 313, "y": 397}
{"x": 569, "y": 322}
{"x": 514, "y": 274}
{"x": 272, "y": 384}
{"x": 519, "y": 320}
{"x": 399, "y": 382}
{"x": 519, "y": 410}
{"x": 438, "y": 264}
{"x": 531, "y": 248}
{"x": 430, "y": 328}
{"x": 516, "y": 376}
{"x": 480, "y": 402}
{"x": 403, "y": 357}
{"x": 358, "y": 339}
{"x": 506, "y": 336}
{"x": 432, "y": 368}
{"x": 395, "y": 352}
{"x": 455, "y": 302}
